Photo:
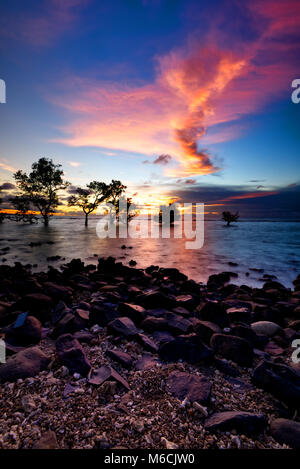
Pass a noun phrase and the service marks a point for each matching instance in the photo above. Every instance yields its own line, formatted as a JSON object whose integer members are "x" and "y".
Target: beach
{"x": 113, "y": 356}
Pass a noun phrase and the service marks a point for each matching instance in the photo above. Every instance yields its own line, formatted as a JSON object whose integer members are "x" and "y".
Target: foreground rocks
{"x": 146, "y": 359}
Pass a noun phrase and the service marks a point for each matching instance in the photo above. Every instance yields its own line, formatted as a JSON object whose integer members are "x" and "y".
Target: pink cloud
{"x": 196, "y": 88}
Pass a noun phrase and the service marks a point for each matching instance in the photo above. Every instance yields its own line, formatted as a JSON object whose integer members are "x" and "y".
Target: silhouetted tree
{"x": 40, "y": 186}
{"x": 230, "y": 217}
{"x": 90, "y": 198}
{"x": 130, "y": 209}
{"x": 115, "y": 190}
{"x": 22, "y": 206}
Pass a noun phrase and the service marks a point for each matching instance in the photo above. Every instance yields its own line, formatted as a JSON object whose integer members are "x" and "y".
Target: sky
{"x": 181, "y": 100}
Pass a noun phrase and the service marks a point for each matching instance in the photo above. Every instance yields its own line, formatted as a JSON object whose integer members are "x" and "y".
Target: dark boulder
{"x": 156, "y": 299}
{"x": 206, "y": 329}
{"x": 146, "y": 343}
{"x": 135, "y": 312}
{"x": 286, "y": 431}
{"x": 213, "y": 312}
{"x": 122, "y": 327}
{"x": 280, "y": 380}
{"x": 177, "y": 324}
{"x": 71, "y": 354}
{"x": 186, "y": 385}
{"x": 121, "y": 357}
{"x": 153, "y": 323}
{"x": 24, "y": 364}
{"x": 188, "y": 348}
{"x": 233, "y": 348}
{"x": 243, "y": 422}
{"x": 29, "y": 333}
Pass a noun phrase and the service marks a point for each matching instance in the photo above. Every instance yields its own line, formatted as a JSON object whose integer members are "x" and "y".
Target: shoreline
{"x": 115, "y": 356}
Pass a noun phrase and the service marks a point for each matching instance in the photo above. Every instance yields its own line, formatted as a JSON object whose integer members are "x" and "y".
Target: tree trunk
{"x": 228, "y": 223}
{"x": 86, "y": 219}
{"x": 46, "y": 220}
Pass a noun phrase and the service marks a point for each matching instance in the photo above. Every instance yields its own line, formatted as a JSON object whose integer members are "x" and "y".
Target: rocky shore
{"x": 113, "y": 356}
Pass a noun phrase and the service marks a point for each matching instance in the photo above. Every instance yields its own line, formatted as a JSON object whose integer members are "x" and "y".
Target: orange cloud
{"x": 250, "y": 195}
{"x": 196, "y": 88}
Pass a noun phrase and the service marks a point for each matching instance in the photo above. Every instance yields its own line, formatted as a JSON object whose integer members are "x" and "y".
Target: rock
{"x": 206, "y": 329}
{"x": 58, "y": 292}
{"x": 186, "y": 301}
{"x": 280, "y": 380}
{"x": 102, "y": 314}
{"x": 121, "y": 357}
{"x": 239, "y": 314}
{"x": 156, "y": 299}
{"x": 122, "y": 327}
{"x": 152, "y": 323}
{"x": 47, "y": 441}
{"x": 146, "y": 343}
{"x": 286, "y": 431}
{"x": 135, "y": 312}
{"x": 243, "y": 422}
{"x": 233, "y": 348}
{"x": 106, "y": 373}
{"x": 162, "y": 337}
{"x": 273, "y": 349}
{"x": 186, "y": 385}
{"x": 30, "y": 332}
{"x": 213, "y": 312}
{"x": 177, "y": 324}
{"x": 84, "y": 337}
{"x": 24, "y": 364}
{"x": 71, "y": 354}
{"x": 37, "y": 303}
{"x": 188, "y": 348}
{"x": 226, "y": 368}
{"x": 266, "y": 328}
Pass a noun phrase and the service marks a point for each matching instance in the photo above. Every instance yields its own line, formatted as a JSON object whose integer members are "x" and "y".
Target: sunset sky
{"x": 180, "y": 99}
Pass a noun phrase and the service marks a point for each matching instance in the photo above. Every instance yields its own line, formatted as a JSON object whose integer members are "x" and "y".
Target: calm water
{"x": 270, "y": 245}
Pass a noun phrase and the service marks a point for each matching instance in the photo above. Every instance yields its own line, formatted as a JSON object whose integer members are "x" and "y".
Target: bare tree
{"x": 90, "y": 198}
{"x": 230, "y": 217}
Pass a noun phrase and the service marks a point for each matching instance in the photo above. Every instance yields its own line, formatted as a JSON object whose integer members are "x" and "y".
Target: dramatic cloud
{"x": 216, "y": 81}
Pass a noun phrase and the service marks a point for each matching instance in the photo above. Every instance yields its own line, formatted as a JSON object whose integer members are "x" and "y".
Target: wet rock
{"x": 47, "y": 441}
{"x": 206, "y": 329}
{"x": 121, "y": 357}
{"x": 273, "y": 349}
{"x": 122, "y": 327}
{"x": 36, "y": 303}
{"x": 177, "y": 324}
{"x": 71, "y": 354}
{"x": 239, "y": 314}
{"x": 186, "y": 301}
{"x": 102, "y": 313}
{"x": 146, "y": 343}
{"x": 266, "y": 328}
{"x": 243, "y": 422}
{"x": 188, "y": 348}
{"x": 58, "y": 292}
{"x": 156, "y": 299}
{"x": 162, "y": 337}
{"x": 84, "y": 337}
{"x": 29, "y": 333}
{"x": 213, "y": 312}
{"x": 280, "y": 380}
{"x": 152, "y": 323}
{"x": 106, "y": 373}
{"x": 135, "y": 312}
{"x": 24, "y": 364}
{"x": 233, "y": 348}
{"x": 286, "y": 431}
{"x": 186, "y": 385}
